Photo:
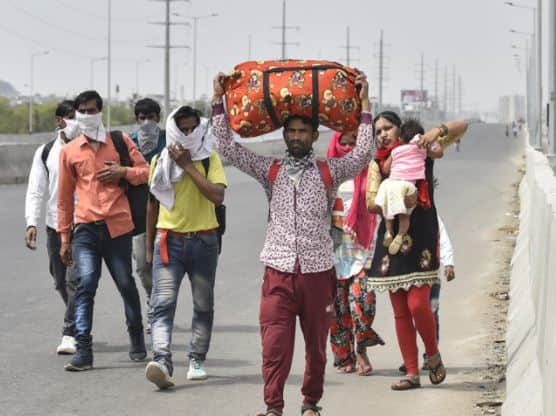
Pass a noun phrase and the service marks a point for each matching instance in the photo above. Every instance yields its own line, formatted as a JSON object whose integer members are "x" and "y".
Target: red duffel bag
{"x": 261, "y": 95}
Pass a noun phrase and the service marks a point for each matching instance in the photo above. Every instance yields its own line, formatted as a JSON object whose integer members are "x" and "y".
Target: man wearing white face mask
{"x": 43, "y": 185}
{"x": 150, "y": 139}
{"x": 90, "y": 168}
{"x": 188, "y": 182}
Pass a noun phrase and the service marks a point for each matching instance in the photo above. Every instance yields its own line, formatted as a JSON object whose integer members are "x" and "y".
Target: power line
{"x": 39, "y": 43}
{"x": 63, "y": 29}
{"x": 98, "y": 16}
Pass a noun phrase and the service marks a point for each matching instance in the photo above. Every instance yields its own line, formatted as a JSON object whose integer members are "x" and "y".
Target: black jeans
{"x": 64, "y": 279}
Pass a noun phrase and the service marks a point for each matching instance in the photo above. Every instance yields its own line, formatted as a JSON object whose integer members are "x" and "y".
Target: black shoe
{"x": 83, "y": 358}
{"x": 402, "y": 369}
{"x": 137, "y": 350}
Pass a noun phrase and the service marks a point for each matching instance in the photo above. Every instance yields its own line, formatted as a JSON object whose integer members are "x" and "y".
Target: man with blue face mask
{"x": 43, "y": 187}
{"x": 95, "y": 222}
{"x": 150, "y": 139}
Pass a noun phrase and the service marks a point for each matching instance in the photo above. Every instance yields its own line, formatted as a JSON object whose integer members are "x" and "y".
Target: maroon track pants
{"x": 284, "y": 297}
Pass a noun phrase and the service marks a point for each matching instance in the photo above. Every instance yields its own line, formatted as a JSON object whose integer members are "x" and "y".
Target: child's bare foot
{"x": 388, "y": 237}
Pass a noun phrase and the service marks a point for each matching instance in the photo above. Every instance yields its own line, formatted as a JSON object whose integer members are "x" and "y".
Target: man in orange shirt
{"x": 91, "y": 200}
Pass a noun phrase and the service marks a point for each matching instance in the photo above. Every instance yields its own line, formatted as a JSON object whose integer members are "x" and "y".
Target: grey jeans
{"x": 197, "y": 258}
{"x": 141, "y": 268}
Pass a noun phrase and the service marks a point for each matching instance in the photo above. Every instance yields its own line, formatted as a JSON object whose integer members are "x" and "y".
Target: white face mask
{"x": 147, "y": 136}
{"x": 71, "y": 131}
{"x": 91, "y": 126}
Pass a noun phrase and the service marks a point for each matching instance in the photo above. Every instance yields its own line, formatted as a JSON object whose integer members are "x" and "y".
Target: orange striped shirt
{"x": 95, "y": 201}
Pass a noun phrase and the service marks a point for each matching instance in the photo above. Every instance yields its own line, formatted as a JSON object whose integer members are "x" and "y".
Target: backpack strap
{"x": 273, "y": 171}
{"x": 45, "y": 152}
{"x": 206, "y": 165}
{"x": 323, "y": 166}
{"x": 325, "y": 174}
{"x": 121, "y": 147}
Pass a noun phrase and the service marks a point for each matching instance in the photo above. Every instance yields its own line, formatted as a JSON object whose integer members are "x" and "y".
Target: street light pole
{"x": 552, "y": 81}
{"x": 537, "y": 37}
{"x": 32, "y": 70}
{"x": 538, "y": 136}
{"x": 195, "y": 20}
{"x": 109, "y": 65}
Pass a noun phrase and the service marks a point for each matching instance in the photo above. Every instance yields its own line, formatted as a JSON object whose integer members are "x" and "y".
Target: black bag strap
{"x": 206, "y": 165}
{"x": 121, "y": 147}
{"x": 44, "y": 154}
{"x": 315, "y": 97}
{"x": 315, "y": 89}
{"x": 268, "y": 101}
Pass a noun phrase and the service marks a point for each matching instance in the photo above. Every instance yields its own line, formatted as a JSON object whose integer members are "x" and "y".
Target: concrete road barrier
{"x": 16, "y": 152}
{"x": 531, "y": 334}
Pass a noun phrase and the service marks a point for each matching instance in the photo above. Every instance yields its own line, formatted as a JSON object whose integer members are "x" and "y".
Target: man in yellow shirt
{"x": 187, "y": 183}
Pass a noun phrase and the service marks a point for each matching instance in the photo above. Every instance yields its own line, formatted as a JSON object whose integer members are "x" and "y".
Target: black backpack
{"x": 45, "y": 152}
{"x": 137, "y": 195}
{"x": 219, "y": 210}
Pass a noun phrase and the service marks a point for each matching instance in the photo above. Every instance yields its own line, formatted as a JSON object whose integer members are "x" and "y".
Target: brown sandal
{"x": 437, "y": 373}
{"x": 407, "y": 383}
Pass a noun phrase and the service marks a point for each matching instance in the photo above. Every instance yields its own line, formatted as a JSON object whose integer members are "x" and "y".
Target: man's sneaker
{"x": 158, "y": 374}
{"x": 196, "y": 370}
{"x": 67, "y": 346}
{"x": 83, "y": 358}
{"x": 137, "y": 350}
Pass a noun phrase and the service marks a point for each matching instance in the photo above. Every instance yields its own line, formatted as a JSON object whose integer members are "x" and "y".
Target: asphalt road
{"x": 473, "y": 199}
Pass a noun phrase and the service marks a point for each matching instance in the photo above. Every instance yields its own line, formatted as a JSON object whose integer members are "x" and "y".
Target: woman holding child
{"x": 405, "y": 260}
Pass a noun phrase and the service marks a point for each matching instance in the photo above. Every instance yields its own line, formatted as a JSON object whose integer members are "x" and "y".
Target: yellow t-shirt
{"x": 192, "y": 211}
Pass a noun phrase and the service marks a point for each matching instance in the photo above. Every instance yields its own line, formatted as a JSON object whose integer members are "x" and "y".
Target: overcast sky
{"x": 472, "y": 35}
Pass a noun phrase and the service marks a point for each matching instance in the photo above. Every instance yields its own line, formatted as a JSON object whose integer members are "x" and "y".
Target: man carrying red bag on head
{"x": 299, "y": 278}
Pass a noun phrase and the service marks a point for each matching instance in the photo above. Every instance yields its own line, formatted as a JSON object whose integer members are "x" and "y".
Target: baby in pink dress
{"x": 406, "y": 166}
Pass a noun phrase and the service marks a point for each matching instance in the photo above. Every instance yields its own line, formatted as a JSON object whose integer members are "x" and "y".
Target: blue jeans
{"x": 91, "y": 243}
{"x": 197, "y": 256}
{"x": 435, "y": 306}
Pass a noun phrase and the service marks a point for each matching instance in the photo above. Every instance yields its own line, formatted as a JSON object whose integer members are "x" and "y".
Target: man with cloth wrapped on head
{"x": 186, "y": 182}
{"x": 299, "y": 277}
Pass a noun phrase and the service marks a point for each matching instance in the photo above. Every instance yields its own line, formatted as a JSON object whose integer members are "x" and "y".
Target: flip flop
{"x": 437, "y": 373}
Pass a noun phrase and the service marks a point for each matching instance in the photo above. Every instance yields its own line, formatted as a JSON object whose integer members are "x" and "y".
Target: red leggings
{"x": 412, "y": 310}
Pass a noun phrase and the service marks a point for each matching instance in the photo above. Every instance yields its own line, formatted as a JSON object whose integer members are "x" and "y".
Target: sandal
{"x": 364, "y": 367}
{"x": 437, "y": 373}
{"x": 394, "y": 248}
{"x": 346, "y": 369}
{"x": 407, "y": 383}
{"x": 313, "y": 408}
{"x": 388, "y": 237}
